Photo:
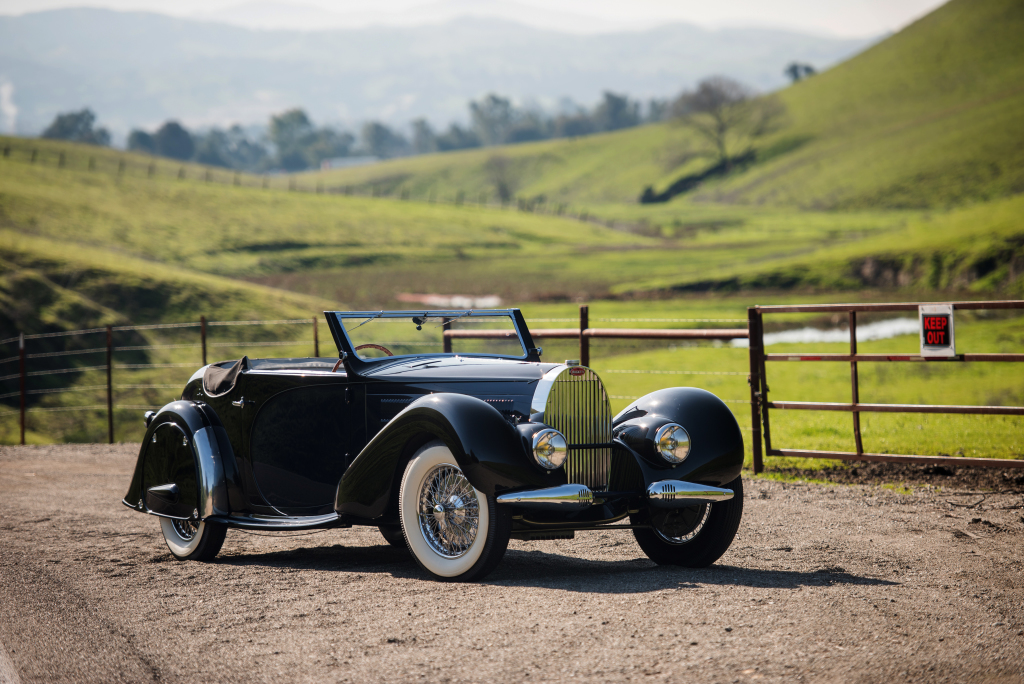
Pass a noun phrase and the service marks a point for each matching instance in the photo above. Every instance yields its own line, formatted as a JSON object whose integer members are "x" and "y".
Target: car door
{"x": 300, "y": 441}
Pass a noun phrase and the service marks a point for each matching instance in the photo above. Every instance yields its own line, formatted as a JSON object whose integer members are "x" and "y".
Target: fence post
{"x": 854, "y": 384}
{"x": 110, "y": 385}
{"x": 316, "y": 340}
{"x": 754, "y": 380}
{"x": 21, "y": 363}
{"x": 202, "y": 336}
{"x": 584, "y": 341}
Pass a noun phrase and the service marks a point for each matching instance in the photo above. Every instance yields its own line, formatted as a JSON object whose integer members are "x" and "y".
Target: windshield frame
{"x": 336, "y": 321}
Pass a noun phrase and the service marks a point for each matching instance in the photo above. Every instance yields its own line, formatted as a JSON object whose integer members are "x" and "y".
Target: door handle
{"x": 241, "y": 402}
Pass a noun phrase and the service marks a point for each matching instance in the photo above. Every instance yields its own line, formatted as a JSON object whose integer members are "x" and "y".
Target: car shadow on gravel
{"x": 540, "y": 569}
{"x": 522, "y": 568}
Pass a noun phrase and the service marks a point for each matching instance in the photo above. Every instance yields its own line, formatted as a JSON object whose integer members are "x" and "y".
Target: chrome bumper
{"x": 563, "y": 498}
{"x": 663, "y": 494}
{"x": 679, "y": 494}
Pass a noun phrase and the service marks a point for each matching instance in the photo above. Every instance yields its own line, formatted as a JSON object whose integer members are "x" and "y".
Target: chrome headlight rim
{"x": 550, "y": 449}
{"x": 672, "y": 442}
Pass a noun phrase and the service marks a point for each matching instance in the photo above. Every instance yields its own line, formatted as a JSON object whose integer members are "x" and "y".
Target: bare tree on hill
{"x": 728, "y": 115}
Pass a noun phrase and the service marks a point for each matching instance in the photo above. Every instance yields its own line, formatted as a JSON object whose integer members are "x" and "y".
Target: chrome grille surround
{"x": 575, "y": 403}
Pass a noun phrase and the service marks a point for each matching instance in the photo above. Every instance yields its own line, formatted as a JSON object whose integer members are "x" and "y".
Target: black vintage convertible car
{"x": 446, "y": 431}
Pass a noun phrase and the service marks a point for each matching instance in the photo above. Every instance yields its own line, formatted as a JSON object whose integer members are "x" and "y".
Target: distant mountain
{"x": 139, "y": 69}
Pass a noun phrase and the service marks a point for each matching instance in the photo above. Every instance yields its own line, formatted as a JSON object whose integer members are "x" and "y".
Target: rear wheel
{"x": 190, "y": 540}
{"x": 454, "y": 531}
{"x": 694, "y": 537}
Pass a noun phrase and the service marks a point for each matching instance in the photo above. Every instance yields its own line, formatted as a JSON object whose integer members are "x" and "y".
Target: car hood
{"x": 457, "y": 368}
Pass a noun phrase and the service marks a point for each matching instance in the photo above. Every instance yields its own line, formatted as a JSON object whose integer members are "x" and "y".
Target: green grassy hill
{"x": 930, "y": 117}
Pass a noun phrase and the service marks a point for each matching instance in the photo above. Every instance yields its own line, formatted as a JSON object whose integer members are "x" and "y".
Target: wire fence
{"x": 142, "y": 366}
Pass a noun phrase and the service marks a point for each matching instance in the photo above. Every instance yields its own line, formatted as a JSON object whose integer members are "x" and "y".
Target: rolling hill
{"x": 928, "y": 118}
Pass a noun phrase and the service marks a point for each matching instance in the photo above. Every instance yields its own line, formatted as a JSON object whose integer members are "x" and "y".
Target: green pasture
{"x": 928, "y": 118}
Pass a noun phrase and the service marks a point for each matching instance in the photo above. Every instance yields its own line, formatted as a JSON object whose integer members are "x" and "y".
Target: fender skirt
{"x": 491, "y": 453}
{"x": 185, "y": 466}
{"x": 716, "y": 442}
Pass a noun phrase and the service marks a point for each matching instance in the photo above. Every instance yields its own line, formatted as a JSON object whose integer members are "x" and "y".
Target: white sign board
{"x": 937, "y": 330}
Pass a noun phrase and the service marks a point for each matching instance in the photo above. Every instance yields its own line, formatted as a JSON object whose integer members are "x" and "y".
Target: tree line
{"x": 292, "y": 142}
{"x": 723, "y": 112}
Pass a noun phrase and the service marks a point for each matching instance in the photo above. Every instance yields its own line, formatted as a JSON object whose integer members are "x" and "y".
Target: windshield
{"x": 378, "y": 334}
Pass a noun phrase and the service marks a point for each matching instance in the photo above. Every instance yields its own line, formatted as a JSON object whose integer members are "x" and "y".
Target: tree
{"x": 457, "y": 138}
{"x": 503, "y": 176}
{"x": 381, "y": 141}
{"x": 289, "y": 129}
{"x": 423, "y": 139}
{"x": 797, "y": 71}
{"x": 615, "y": 112}
{"x": 493, "y": 118}
{"x": 727, "y": 115}
{"x": 141, "y": 141}
{"x": 77, "y": 127}
{"x": 172, "y": 140}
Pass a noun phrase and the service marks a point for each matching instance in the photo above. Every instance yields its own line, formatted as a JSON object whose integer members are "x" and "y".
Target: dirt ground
{"x": 851, "y": 583}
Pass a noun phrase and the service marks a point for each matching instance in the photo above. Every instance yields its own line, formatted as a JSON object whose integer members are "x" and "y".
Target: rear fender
{"x": 186, "y": 467}
{"x": 488, "y": 449}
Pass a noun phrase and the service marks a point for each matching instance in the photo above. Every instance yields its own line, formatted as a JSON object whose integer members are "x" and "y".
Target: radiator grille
{"x": 577, "y": 406}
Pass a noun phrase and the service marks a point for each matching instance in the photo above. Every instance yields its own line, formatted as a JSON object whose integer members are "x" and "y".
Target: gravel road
{"x": 823, "y": 583}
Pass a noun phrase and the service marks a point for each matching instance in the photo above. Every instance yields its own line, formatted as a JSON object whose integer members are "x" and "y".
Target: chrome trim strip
{"x": 553, "y": 498}
{"x": 544, "y": 385}
{"x": 212, "y": 499}
{"x": 679, "y": 494}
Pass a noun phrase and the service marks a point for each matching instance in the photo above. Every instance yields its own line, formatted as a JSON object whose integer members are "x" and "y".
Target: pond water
{"x": 880, "y": 330}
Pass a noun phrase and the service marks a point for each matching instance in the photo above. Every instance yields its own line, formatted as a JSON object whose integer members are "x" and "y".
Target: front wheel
{"x": 454, "y": 531}
{"x": 694, "y": 537}
{"x": 189, "y": 540}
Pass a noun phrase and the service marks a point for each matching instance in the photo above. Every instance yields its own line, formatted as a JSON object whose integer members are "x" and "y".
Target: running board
{"x": 281, "y": 523}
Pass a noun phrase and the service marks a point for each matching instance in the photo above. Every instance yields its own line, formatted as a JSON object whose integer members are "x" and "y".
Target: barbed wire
{"x": 94, "y": 350}
{"x": 668, "y": 320}
{"x": 672, "y": 372}
{"x": 78, "y": 369}
{"x": 152, "y": 365}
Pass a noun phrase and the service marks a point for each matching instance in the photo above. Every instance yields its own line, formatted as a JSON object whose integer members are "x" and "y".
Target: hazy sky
{"x": 851, "y": 18}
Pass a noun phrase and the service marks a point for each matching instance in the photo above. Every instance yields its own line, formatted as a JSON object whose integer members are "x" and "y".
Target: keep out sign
{"x": 937, "y": 330}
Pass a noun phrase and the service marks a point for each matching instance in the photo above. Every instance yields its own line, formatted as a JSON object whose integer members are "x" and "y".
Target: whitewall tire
{"x": 188, "y": 540}
{"x": 454, "y": 531}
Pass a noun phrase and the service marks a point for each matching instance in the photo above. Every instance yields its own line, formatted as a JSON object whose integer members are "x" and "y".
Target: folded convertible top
{"x": 219, "y": 380}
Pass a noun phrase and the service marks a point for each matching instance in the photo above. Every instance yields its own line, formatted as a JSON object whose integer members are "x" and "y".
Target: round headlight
{"x": 673, "y": 443}
{"x": 550, "y": 449}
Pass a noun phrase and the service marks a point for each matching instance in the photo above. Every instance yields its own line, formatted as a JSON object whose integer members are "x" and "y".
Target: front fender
{"x": 185, "y": 465}
{"x": 716, "y": 442}
{"x": 490, "y": 452}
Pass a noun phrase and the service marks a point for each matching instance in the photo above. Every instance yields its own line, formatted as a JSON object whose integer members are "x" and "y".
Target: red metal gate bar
{"x": 1011, "y": 358}
{"x": 956, "y": 461}
{"x": 897, "y": 408}
{"x": 901, "y": 306}
{"x": 609, "y": 333}
{"x": 759, "y": 385}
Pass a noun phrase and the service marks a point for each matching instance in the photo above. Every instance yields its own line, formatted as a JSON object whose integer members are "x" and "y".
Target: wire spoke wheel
{"x": 448, "y": 511}
{"x": 680, "y": 525}
{"x": 186, "y": 529}
{"x": 454, "y": 531}
{"x": 694, "y": 536}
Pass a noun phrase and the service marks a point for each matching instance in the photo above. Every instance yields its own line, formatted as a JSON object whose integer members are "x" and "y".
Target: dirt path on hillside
{"x": 823, "y": 583}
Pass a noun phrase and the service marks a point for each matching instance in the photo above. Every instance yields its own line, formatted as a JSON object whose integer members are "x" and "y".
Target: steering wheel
{"x": 375, "y": 346}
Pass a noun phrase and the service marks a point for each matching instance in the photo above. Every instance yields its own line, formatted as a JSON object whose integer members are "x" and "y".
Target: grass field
{"x": 898, "y": 175}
